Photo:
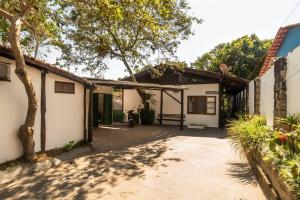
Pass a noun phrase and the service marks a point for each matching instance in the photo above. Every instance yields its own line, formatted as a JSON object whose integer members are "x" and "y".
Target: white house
{"x": 203, "y": 99}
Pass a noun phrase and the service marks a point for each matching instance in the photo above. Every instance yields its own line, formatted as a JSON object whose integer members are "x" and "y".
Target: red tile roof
{"x": 277, "y": 42}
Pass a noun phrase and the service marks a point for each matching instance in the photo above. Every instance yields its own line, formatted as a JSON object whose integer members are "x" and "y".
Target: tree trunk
{"x": 141, "y": 92}
{"x": 36, "y": 50}
{"x": 26, "y": 130}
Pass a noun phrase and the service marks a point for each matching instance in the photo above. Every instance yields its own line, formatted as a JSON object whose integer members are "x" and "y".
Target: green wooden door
{"x": 95, "y": 109}
{"x": 108, "y": 109}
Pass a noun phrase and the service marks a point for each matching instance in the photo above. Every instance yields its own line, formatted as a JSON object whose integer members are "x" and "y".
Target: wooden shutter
{"x": 211, "y": 105}
{"x": 204, "y": 105}
{"x": 201, "y": 105}
{"x": 64, "y": 87}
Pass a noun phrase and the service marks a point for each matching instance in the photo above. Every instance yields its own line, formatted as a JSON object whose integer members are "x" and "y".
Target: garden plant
{"x": 279, "y": 146}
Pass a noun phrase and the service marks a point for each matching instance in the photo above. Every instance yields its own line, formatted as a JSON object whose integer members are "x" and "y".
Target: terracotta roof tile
{"x": 277, "y": 42}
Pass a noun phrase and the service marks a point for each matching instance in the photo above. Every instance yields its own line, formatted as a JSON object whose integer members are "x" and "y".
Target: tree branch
{"x": 25, "y": 7}
{"x": 6, "y": 15}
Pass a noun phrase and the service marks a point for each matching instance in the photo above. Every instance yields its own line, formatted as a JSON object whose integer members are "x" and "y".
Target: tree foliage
{"x": 127, "y": 30}
{"x": 244, "y": 56}
{"x": 42, "y": 28}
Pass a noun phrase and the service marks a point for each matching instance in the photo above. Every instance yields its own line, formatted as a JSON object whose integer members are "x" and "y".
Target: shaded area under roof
{"x": 133, "y": 85}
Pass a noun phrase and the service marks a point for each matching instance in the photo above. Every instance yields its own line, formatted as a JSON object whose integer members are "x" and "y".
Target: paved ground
{"x": 147, "y": 163}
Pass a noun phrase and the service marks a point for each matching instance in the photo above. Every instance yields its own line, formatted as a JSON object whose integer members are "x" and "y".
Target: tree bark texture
{"x": 26, "y": 130}
{"x": 141, "y": 92}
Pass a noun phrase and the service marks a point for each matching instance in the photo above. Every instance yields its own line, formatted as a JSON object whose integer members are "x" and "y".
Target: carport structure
{"x": 94, "y": 82}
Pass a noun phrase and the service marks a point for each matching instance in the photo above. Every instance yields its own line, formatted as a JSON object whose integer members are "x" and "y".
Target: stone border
{"x": 269, "y": 180}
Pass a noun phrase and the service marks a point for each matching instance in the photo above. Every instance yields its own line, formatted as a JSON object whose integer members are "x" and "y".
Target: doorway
{"x": 102, "y": 109}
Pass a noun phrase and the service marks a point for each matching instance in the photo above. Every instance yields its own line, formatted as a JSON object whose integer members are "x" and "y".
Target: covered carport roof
{"x": 134, "y": 85}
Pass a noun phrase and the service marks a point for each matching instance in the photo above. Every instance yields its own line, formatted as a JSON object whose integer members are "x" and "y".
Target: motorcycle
{"x": 131, "y": 118}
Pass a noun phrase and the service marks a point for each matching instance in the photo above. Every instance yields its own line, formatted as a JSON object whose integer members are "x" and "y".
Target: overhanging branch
{"x": 6, "y": 15}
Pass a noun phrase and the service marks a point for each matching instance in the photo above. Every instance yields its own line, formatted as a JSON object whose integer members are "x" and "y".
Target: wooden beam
{"x": 161, "y": 106}
{"x": 43, "y": 110}
{"x": 90, "y": 118}
{"x": 172, "y": 96}
{"x": 181, "y": 109}
{"x": 84, "y": 115}
{"x": 221, "y": 105}
{"x": 122, "y": 100}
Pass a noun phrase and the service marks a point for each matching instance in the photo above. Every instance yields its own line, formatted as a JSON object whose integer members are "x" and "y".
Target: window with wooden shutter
{"x": 205, "y": 105}
{"x": 64, "y": 87}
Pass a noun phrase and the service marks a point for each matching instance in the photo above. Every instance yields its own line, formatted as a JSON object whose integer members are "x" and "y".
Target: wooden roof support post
{"x": 84, "y": 115}
{"x": 90, "y": 117}
{"x": 181, "y": 110}
{"x": 221, "y": 105}
{"x": 161, "y": 106}
{"x": 43, "y": 110}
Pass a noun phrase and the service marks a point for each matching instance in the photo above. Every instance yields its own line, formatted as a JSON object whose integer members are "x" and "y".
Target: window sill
{"x": 5, "y": 80}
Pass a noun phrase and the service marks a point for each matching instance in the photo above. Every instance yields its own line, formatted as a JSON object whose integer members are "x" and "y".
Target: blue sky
{"x": 224, "y": 20}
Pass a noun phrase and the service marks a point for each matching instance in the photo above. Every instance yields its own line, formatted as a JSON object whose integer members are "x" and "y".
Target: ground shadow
{"x": 241, "y": 172}
{"x": 93, "y": 174}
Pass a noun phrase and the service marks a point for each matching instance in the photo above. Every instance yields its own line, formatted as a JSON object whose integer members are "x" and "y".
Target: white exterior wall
{"x": 103, "y": 89}
{"x": 170, "y": 106}
{"x": 13, "y": 108}
{"x": 293, "y": 81}
{"x": 267, "y": 96}
{"x": 64, "y": 115}
{"x": 251, "y": 97}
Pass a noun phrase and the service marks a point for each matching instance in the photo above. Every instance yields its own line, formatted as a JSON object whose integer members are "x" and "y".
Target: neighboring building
{"x": 275, "y": 92}
{"x": 203, "y": 101}
{"x": 285, "y": 41}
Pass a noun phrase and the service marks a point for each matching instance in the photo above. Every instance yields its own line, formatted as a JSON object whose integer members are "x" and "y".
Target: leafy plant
{"x": 248, "y": 133}
{"x": 147, "y": 116}
{"x": 74, "y": 145}
{"x": 288, "y": 123}
{"x": 279, "y": 147}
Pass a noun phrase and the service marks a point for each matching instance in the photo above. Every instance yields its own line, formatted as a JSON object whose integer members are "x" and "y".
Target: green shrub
{"x": 118, "y": 116}
{"x": 74, "y": 145}
{"x": 248, "y": 133}
{"x": 147, "y": 116}
{"x": 280, "y": 147}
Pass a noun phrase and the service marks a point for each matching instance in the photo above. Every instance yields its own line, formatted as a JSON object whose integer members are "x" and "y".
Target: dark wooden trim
{"x": 43, "y": 110}
{"x": 181, "y": 109}
{"x": 122, "y": 100}
{"x": 221, "y": 106}
{"x": 195, "y": 113}
{"x": 62, "y": 82}
{"x": 41, "y": 65}
{"x": 175, "y": 120}
{"x": 90, "y": 117}
{"x": 84, "y": 116}
{"x": 161, "y": 106}
{"x": 172, "y": 96}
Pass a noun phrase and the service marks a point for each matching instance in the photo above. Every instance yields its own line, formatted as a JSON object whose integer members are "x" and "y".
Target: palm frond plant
{"x": 248, "y": 133}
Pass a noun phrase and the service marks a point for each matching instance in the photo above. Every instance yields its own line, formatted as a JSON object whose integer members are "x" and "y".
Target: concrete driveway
{"x": 153, "y": 162}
